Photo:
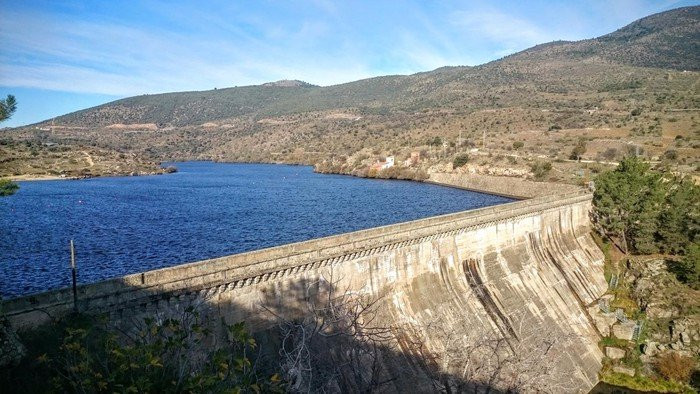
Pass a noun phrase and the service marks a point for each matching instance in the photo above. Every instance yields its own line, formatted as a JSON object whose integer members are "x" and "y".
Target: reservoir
{"x": 132, "y": 224}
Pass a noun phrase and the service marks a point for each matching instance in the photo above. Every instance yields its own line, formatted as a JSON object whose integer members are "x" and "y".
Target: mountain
{"x": 289, "y": 83}
{"x": 637, "y": 85}
{"x": 669, "y": 40}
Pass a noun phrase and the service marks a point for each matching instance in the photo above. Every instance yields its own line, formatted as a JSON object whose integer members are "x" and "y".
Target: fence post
{"x": 75, "y": 286}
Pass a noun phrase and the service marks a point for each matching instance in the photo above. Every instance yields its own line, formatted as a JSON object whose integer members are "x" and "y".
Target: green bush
{"x": 518, "y": 144}
{"x": 7, "y": 187}
{"x": 460, "y": 160}
{"x": 176, "y": 355}
{"x": 540, "y": 169}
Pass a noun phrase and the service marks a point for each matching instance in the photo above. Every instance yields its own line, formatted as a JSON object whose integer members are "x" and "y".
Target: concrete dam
{"x": 489, "y": 299}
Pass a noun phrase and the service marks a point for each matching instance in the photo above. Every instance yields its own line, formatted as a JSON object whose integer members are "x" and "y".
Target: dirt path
{"x": 88, "y": 157}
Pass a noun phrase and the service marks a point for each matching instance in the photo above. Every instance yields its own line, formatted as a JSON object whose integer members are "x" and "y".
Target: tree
{"x": 627, "y": 202}
{"x": 332, "y": 341}
{"x": 578, "y": 150}
{"x": 7, "y": 107}
{"x": 679, "y": 221}
{"x": 688, "y": 269}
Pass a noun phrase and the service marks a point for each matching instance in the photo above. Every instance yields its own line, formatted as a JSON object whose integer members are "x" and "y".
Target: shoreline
{"x": 510, "y": 187}
{"x": 34, "y": 178}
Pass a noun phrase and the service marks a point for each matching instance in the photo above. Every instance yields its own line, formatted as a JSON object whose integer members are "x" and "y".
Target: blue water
{"x": 133, "y": 224}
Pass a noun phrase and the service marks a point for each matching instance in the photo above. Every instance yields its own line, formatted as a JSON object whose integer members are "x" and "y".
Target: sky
{"x": 60, "y": 56}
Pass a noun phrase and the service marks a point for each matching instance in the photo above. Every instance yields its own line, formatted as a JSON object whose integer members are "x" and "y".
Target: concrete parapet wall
{"x": 501, "y": 185}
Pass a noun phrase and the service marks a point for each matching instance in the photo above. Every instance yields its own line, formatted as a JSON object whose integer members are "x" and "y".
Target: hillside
{"x": 635, "y": 89}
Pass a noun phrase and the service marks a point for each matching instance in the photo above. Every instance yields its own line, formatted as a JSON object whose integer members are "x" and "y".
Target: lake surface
{"x": 133, "y": 224}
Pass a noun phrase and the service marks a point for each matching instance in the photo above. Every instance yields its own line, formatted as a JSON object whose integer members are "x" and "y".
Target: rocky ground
{"x": 30, "y": 160}
{"x": 650, "y": 323}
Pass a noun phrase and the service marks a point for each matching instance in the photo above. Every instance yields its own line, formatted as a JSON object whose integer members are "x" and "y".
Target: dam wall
{"x": 501, "y": 185}
{"x": 520, "y": 274}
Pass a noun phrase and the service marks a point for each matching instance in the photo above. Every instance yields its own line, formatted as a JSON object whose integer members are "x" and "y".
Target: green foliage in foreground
{"x": 170, "y": 356}
{"x": 644, "y": 383}
{"x": 7, "y": 187}
{"x": 7, "y": 107}
{"x": 647, "y": 211}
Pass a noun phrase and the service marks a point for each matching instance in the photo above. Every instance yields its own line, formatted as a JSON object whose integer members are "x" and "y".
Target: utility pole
{"x": 75, "y": 285}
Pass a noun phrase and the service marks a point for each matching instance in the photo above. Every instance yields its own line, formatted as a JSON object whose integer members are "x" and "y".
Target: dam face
{"x": 504, "y": 289}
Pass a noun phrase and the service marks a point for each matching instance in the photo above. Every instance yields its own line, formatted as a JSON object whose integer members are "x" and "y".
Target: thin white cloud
{"x": 193, "y": 47}
{"x": 499, "y": 27}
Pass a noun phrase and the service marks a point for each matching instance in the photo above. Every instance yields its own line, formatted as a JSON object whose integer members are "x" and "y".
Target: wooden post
{"x": 75, "y": 286}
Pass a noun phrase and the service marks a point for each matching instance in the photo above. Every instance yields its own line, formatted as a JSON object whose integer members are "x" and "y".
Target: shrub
{"x": 540, "y": 169}
{"x": 460, "y": 160}
{"x": 673, "y": 366}
{"x": 671, "y": 154}
{"x": 7, "y": 187}
{"x": 84, "y": 354}
{"x": 609, "y": 154}
{"x": 518, "y": 144}
{"x": 578, "y": 150}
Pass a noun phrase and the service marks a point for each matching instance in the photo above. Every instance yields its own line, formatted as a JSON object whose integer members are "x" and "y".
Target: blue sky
{"x": 61, "y": 56}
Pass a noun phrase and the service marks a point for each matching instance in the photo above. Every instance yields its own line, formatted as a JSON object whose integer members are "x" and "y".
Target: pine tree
{"x": 627, "y": 203}
{"x": 679, "y": 221}
{"x": 7, "y": 107}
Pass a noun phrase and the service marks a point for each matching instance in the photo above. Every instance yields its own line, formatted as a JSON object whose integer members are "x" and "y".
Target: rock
{"x": 676, "y": 345}
{"x": 609, "y": 297}
{"x": 614, "y": 352}
{"x": 602, "y": 320}
{"x": 650, "y": 348}
{"x": 624, "y": 330}
{"x": 685, "y": 337}
{"x": 625, "y": 370}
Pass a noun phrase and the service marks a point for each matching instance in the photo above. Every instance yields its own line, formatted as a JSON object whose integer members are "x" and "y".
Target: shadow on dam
{"x": 490, "y": 300}
{"x": 322, "y": 337}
